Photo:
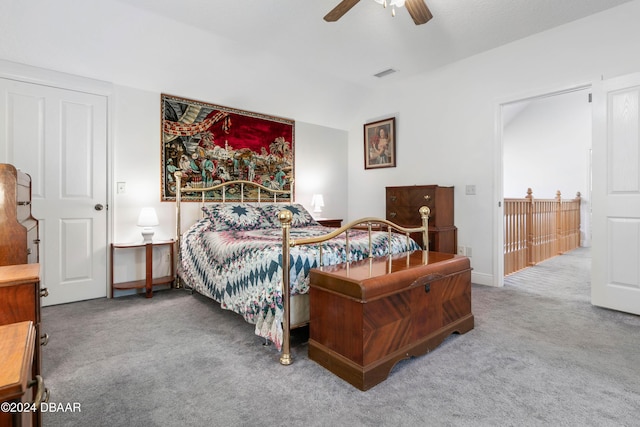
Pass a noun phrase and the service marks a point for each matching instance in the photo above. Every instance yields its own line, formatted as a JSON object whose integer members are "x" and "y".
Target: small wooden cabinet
{"x": 149, "y": 281}
{"x": 19, "y": 235}
{"x": 17, "y": 346}
{"x": 403, "y": 205}
{"x": 330, "y": 222}
{"x": 20, "y": 295}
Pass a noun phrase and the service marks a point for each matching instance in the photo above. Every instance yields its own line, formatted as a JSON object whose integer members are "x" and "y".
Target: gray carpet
{"x": 539, "y": 355}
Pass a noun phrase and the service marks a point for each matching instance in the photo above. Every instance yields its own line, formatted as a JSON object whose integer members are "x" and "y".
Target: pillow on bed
{"x": 301, "y": 217}
{"x": 236, "y": 216}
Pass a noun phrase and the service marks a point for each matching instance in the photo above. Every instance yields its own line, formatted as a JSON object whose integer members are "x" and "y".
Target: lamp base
{"x": 147, "y": 235}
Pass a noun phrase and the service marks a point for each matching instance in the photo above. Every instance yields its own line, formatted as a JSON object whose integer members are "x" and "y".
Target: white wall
{"x": 321, "y": 167}
{"x": 112, "y": 41}
{"x": 546, "y": 147}
{"x": 447, "y": 120}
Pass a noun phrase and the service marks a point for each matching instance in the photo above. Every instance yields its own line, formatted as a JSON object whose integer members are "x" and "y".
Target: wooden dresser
{"x": 20, "y": 295}
{"x": 20, "y": 291}
{"x": 19, "y": 235}
{"x": 403, "y": 204}
{"x": 21, "y": 392}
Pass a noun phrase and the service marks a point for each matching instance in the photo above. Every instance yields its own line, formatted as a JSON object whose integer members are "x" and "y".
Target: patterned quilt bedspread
{"x": 242, "y": 269}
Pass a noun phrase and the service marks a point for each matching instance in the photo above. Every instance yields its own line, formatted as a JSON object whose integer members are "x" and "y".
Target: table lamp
{"x": 147, "y": 220}
{"x": 317, "y": 201}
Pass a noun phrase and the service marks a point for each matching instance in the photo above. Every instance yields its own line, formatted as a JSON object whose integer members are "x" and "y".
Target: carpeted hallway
{"x": 539, "y": 355}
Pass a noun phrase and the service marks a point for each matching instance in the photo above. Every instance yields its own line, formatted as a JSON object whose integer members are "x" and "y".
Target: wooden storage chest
{"x": 366, "y": 316}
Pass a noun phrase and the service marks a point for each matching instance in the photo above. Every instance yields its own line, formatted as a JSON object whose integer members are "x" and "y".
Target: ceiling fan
{"x": 418, "y": 10}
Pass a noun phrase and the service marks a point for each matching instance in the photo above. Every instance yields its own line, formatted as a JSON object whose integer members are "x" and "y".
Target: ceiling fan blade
{"x": 342, "y": 8}
{"x": 419, "y": 11}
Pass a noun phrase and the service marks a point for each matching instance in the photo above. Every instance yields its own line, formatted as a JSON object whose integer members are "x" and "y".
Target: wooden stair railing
{"x": 539, "y": 229}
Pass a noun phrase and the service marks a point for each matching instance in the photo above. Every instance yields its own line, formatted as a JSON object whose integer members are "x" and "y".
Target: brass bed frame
{"x": 285, "y": 217}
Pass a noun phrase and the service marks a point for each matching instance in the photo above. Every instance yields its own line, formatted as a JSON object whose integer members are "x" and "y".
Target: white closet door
{"x": 59, "y": 137}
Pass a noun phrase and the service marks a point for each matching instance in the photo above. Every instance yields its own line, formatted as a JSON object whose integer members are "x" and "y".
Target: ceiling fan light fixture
{"x": 393, "y": 3}
{"x": 417, "y": 9}
{"x": 397, "y": 3}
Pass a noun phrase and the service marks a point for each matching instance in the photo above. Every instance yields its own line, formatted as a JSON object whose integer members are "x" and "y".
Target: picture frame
{"x": 211, "y": 143}
{"x": 380, "y": 141}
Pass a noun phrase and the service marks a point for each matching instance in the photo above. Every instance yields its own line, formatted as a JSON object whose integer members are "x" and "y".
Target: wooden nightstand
{"x": 149, "y": 281}
{"x": 330, "y": 222}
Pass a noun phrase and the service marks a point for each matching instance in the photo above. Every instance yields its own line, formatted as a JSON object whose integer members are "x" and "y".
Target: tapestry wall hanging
{"x": 211, "y": 144}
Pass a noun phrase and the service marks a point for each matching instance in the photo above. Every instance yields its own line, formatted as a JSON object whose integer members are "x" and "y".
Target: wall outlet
{"x": 461, "y": 250}
{"x": 467, "y": 251}
{"x": 470, "y": 190}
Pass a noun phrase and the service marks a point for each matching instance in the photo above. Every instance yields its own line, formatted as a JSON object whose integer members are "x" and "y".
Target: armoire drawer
{"x": 403, "y": 205}
{"x": 409, "y": 216}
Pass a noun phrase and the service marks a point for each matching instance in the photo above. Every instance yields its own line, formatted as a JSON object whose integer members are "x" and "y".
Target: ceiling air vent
{"x": 385, "y": 72}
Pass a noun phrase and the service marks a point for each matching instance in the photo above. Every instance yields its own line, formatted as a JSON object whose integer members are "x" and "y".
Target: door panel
{"x": 624, "y": 242}
{"x": 622, "y": 143}
{"x": 75, "y": 245}
{"x": 59, "y": 137}
{"x": 29, "y": 108}
{"x": 76, "y": 151}
{"x": 615, "y": 281}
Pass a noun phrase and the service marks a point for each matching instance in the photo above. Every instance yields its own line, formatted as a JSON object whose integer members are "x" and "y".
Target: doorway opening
{"x": 545, "y": 146}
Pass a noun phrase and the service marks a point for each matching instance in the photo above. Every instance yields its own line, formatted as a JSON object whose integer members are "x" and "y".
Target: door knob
{"x": 98, "y": 207}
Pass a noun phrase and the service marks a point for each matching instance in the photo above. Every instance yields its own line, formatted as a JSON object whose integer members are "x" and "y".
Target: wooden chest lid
{"x": 381, "y": 276}
{"x": 16, "y": 352}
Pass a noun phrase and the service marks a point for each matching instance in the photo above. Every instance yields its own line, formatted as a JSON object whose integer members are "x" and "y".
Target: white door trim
{"x": 30, "y": 74}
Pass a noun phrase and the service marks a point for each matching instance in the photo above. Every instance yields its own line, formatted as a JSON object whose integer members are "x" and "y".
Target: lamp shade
{"x": 148, "y": 218}
{"x": 317, "y": 201}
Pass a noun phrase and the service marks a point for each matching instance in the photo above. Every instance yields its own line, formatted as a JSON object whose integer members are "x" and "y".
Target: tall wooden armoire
{"x": 19, "y": 235}
{"x": 20, "y": 290}
{"x": 403, "y": 204}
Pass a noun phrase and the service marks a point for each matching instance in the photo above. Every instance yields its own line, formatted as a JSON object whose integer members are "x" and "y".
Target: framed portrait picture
{"x": 380, "y": 144}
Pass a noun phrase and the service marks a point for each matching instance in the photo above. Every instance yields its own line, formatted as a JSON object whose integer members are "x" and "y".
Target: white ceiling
{"x": 367, "y": 39}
